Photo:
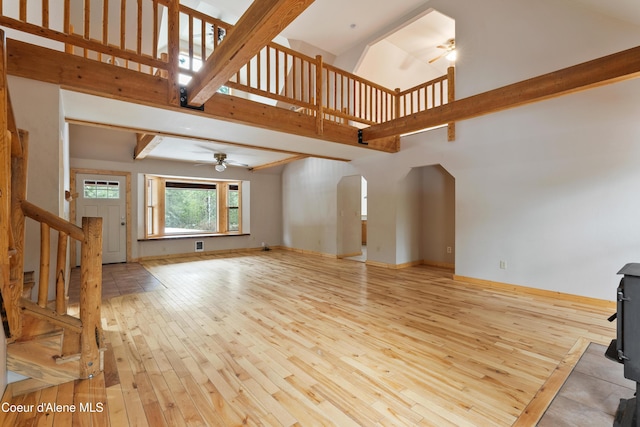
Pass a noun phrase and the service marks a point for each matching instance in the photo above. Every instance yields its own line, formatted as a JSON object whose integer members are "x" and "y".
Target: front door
{"x": 105, "y": 196}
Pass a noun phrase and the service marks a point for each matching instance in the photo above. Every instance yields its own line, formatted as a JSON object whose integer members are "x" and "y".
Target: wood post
{"x": 173, "y": 64}
{"x": 451, "y": 96}
{"x": 396, "y": 104}
{"x": 90, "y": 297}
{"x": 18, "y": 193}
{"x": 45, "y": 255}
{"x": 319, "y": 104}
{"x": 5, "y": 178}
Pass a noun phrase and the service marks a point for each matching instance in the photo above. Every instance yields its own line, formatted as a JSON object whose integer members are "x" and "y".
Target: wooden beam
{"x": 146, "y": 143}
{"x": 84, "y": 75}
{"x": 278, "y": 163}
{"x": 606, "y": 70}
{"x": 263, "y": 21}
{"x": 240, "y": 110}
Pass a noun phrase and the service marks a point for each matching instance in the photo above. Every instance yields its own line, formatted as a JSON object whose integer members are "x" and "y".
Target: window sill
{"x": 192, "y": 236}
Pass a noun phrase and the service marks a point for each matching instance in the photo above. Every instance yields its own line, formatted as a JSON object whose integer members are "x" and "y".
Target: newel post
{"x": 451, "y": 96}
{"x": 173, "y": 62}
{"x": 90, "y": 297}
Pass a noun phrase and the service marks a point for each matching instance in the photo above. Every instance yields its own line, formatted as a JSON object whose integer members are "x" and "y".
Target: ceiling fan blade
{"x": 234, "y": 163}
{"x": 437, "y": 57}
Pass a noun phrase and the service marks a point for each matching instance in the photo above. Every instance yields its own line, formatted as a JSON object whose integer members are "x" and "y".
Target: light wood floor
{"x": 278, "y": 339}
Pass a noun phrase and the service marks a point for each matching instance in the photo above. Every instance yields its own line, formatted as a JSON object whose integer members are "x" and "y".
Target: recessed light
{"x": 352, "y": 26}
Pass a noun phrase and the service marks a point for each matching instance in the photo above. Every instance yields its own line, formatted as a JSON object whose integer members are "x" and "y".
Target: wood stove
{"x": 625, "y": 348}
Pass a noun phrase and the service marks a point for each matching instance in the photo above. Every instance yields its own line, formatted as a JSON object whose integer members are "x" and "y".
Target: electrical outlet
{"x": 503, "y": 265}
{"x": 448, "y": 249}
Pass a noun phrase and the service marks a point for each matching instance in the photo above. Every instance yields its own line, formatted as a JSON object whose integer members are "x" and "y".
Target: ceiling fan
{"x": 221, "y": 162}
{"x": 449, "y": 51}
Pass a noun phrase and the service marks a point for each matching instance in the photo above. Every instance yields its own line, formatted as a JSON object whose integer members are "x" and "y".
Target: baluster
{"x": 43, "y": 284}
{"x": 259, "y": 70}
{"x": 155, "y": 30}
{"x": 286, "y": 74}
{"x": 319, "y": 104}
{"x": 294, "y": 65}
{"x": 23, "y": 10}
{"x": 61, "y": 303}
{"x": 190, "y": 37}
{"x": 87, "y": 20}
{"x": 249, "y": 72}
{"x": 67, "y": 20}
{"x": 45, "y": 13}
{"x": 277, "y": 53}
{"x": 139, "y": 29}
{"x": 123, "y": 22}
{"x": 268, "y": 69}
{"x": 105, "y": 22}
{"x": 203, "y": 40}
{"x": 433, "y": 95}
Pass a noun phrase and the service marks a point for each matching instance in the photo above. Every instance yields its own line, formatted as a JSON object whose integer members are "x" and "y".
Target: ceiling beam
{"x": 606, "y": 70}
{"x": 146, "y": 142}
{"x": 278, "y": 163}
{"x": 263, "y": 21}
{"x": 160, "y": 134}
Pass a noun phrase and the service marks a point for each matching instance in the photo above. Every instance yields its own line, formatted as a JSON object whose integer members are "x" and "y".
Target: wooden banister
{"x": 43, "y": 283}
{"x": 41, "y": 215}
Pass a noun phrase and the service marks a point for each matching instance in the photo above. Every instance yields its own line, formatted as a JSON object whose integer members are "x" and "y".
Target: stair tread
{"x": 37, "y": 359}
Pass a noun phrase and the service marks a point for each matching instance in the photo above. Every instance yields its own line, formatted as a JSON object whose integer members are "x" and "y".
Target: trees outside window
{"x": 185, "y": 207}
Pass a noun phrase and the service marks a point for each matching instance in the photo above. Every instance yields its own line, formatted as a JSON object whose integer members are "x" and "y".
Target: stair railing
{"x": 90, "y": 238}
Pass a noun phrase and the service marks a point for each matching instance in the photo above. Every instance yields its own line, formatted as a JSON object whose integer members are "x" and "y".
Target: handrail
{"x": 42, "y": 215}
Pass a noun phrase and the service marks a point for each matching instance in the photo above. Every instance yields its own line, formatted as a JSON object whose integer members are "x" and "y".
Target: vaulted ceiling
{"x": 334, "y": 26}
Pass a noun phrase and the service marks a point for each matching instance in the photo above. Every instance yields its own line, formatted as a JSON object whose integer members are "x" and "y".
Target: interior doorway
{"x": 438, "y": 214}
{"x": 352, "y": 218}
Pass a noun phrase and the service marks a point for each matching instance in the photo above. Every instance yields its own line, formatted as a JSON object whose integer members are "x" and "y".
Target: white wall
{"x": 408, "y": 218}
{"x": 37, "y": 110}
{"x": 349, "y": 225}
{"x": 111, "y": 150}
{"x": 549, "y": 187}
{"x": 310, "y": 197}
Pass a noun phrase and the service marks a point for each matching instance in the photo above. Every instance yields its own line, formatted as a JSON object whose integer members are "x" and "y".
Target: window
{"x": 185, "y": 207}
{"x": 233, "y": 207}
{"x": 195, "y": 64}
{"x": 101, "y": 189}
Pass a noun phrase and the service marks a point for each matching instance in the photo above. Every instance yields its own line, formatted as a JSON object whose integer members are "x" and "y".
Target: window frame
{"x": 155, "y": 206}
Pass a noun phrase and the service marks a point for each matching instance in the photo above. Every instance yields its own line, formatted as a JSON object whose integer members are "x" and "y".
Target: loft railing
{"x": 170, "y": 40}
{"x": 126, "y": 33}
{"x": 433, "y": 93}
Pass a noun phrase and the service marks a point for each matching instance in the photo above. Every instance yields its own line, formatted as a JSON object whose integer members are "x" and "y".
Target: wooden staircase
{"x": 44, "y": 343}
